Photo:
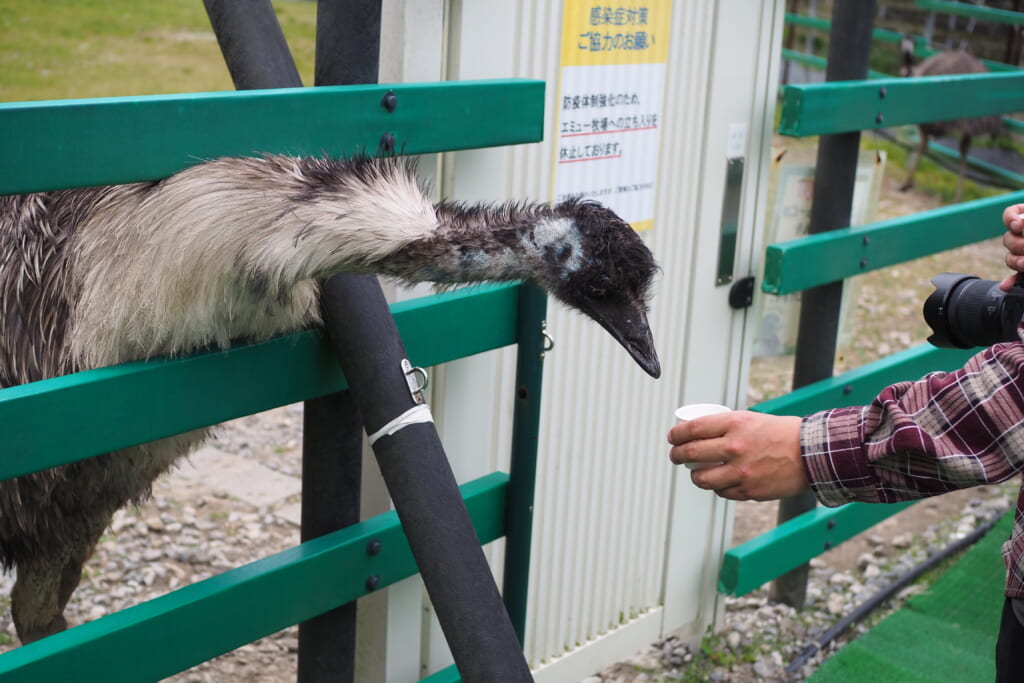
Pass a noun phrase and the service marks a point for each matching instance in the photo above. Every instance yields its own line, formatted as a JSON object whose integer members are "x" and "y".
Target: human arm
{"x": 761, "y": 454}
{"x": 916, "y": 439}
{"x": 1013, "y": 240}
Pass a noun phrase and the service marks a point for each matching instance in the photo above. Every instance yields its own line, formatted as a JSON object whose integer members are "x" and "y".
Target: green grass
{"x": 56, "y": 49}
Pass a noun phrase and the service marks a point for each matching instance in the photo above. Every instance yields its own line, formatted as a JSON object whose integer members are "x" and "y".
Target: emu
{"x": 945, "y": 64}
{"x": 230, "y": 251}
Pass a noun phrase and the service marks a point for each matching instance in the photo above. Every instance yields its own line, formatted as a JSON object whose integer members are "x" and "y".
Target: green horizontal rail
{"x": 819, "y": 63}
{"x": 448, "y": 675}
{"x": 848, "y": 106}
{"x": 997, "y": 172}
{"x": 992, "y": 14}
{"x": 750, "y": 565}
{"x": 806, "y": 262}
{"x": 880, "y": 34}
{"x": 148, "y": 400}
{"x": 105, "y": 141}
{"x": 174, "y": 632}
{"x": 860, "y": 386}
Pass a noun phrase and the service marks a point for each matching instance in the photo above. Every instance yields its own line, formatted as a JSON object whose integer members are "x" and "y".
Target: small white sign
{"x": 736, "y": 144}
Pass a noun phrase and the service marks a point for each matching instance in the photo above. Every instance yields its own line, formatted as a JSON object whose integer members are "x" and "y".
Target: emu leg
{"x": 922, "y": 147}
{"x": 35, "y": 599}
{"x": 44, "y": 587}
{"x": 965, "y": 147}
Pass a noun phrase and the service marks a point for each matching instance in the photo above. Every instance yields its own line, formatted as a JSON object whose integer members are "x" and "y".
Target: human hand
{"x": 1013, "y": 240}
{"x": 760, "y": 454}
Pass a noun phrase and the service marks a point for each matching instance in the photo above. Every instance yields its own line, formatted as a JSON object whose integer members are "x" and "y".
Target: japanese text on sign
{"x": 610, "y": 104}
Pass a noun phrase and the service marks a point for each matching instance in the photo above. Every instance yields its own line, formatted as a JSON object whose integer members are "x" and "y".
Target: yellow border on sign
{"x": 628, "y": 32}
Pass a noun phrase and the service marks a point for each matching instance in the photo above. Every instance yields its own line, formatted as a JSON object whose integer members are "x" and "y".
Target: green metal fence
{"x": 815, "y": 109}
{"x": 50, "y": 145}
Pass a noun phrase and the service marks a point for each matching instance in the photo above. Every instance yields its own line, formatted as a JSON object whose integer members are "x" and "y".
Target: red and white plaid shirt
{"x": 946, "y": 431}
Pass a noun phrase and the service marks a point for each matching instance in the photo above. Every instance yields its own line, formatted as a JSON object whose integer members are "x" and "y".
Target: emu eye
{"x": 563, "y": 254}
{"x": 600, "y": 288}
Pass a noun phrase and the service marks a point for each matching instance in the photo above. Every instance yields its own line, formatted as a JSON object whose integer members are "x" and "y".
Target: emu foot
{"x": 31, "y": 633}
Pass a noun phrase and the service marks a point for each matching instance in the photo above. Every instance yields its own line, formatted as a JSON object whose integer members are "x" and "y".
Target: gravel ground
{"x": 758, "y": 638}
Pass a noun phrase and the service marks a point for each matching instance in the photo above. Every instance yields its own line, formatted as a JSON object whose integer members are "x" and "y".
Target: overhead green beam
{"x": 1004, "y": 175}
{"x": 789, "y": 545}
{"x": 70, "y": 143}
{"x": 992, "y": 14}
{"x": 848, "y": 106}
{"x": 148, "y": 400}
{"x": 814, "y": 260}
{"x": 819, "y": 63}
{"x": 860, "y": 386}
{"x": 449, "y": 675}
{"x": 174, "y": 632}
{"x": 880, "y": 34}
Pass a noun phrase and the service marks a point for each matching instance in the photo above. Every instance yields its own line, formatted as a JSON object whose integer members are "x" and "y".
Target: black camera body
{"x": 965, "y": 311}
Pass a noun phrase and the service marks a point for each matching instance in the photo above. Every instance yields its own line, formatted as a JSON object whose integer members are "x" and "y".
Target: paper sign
{"x": 610, "y": 105}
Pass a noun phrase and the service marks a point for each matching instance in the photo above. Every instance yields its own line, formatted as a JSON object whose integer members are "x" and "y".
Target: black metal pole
{"x": 332, "y": 463}
{"x": 257, "y": 56}
{"x": 253, "y": 44}
{"x": 836, "y": 170}
{"x": 347, "y": 41}
{"x": 412, "y": 461}
{"x": 422, "y": 487}
{"x": 333, "y": 441}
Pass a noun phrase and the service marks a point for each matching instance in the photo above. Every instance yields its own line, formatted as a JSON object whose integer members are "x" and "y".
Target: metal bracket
{"x": 415, "y": 387}
{"x": 741, "y": 294}
{"x": 548, "y": 343}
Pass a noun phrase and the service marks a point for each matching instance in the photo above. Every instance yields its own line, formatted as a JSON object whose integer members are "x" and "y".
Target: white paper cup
{"x": 695, "y": 410}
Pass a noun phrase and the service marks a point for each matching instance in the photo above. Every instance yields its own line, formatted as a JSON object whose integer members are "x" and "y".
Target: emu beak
{"x": 627, "y": 323}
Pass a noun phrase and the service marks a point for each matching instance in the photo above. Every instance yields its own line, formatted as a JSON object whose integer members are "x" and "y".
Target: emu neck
{"x": 487, "y": 243}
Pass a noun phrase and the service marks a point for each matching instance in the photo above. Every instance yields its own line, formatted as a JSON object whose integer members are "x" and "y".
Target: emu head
{"x": 907, "y": 57}
{"x": 602, "y": 268}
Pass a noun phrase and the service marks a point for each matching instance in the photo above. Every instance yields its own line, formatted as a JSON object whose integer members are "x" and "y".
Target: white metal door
{"x": 625, "y": 550}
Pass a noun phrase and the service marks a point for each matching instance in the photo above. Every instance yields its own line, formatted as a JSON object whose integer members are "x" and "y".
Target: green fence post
{"x": 523, "y": 471}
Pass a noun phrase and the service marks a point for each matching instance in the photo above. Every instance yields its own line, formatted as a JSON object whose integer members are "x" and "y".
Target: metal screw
{"x": 848, "y": 389}
{"x": 390, "y": 100}
{"x": 828, "y": 544}
{"x": 387, "y": 142}
{"x": 831, "y": 524}
{"x": 372, "y": 582}
{"x": 879, "y": 118}
{"x": 373, "y": 547}
{"x": 866, "y": 241}
{"x": 881, "y": 93}
{"x": 864, "y": 263}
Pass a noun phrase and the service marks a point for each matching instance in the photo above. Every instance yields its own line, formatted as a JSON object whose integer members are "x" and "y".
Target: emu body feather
{"x": 947, "y": 64}
{"x": 228, "y": 251}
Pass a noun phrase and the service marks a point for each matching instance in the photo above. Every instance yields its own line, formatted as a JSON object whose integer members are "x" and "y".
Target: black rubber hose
{"x": 422, "y": 486}
{"x": 881, "y": 596}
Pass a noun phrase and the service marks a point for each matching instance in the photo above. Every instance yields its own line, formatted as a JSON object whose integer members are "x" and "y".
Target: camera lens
{"x": 966, "y": 311}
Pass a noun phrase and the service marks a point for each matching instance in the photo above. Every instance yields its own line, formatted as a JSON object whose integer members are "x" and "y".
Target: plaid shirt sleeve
{"x": 916, "y": 439}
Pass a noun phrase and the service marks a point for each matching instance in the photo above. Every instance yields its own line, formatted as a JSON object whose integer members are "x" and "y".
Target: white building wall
{"x": 625, "y": 549}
